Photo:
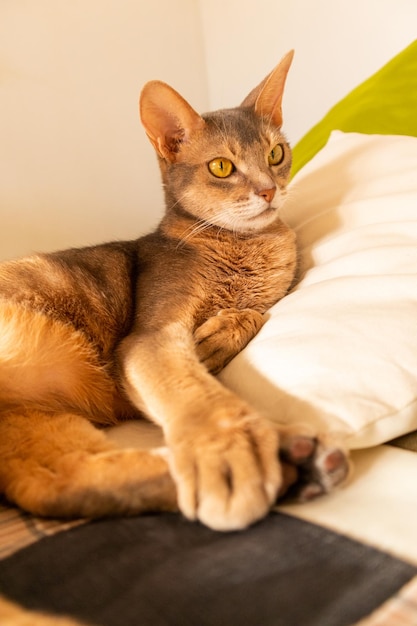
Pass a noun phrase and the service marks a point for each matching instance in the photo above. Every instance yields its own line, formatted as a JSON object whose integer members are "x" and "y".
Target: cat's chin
{"x": 248, "y": 219}
{"x": 251, "y": 224}
{"x": 269, "y": 214}
{"x": 261, "y": 220}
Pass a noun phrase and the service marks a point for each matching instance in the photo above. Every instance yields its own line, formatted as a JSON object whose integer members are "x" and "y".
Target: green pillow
{"x": 385, "y": 104}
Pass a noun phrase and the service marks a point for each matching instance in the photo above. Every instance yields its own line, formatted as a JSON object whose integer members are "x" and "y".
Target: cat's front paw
{"x": 227, "y": 473}
{"x": 224, "y": 335}
{"x": 311, "y": 466}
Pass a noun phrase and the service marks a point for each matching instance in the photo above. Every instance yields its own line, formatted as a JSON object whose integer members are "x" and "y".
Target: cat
{"x": 12, "y": 614}
{"x": 94, "y": 336}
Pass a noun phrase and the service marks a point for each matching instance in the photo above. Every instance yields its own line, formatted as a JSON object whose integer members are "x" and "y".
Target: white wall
{"x": 75, "y": 165}
{"x": 338, "y": 44}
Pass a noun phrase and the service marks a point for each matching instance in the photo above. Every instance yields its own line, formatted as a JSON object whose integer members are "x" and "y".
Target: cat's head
{"x": 229, "y": 168}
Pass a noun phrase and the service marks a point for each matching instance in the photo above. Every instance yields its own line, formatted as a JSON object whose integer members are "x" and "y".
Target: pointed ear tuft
{"x": 168, "y": 119}
{"x": 266, "y": 98}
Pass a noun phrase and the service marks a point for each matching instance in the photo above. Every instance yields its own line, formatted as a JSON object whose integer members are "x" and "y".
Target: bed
{"x": 339, "y": 353}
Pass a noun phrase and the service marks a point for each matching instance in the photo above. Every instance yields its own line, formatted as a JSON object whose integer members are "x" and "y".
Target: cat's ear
{"x": 168, "y": 119}
{"x": 266, "y": 98}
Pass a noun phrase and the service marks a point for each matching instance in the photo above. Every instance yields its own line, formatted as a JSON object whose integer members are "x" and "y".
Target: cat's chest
{"x": 250, "y": 273}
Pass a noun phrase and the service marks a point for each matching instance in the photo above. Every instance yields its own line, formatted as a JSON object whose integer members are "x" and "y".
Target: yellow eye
{"x": 221, "y": 168}
{"x": 276, "y": 156}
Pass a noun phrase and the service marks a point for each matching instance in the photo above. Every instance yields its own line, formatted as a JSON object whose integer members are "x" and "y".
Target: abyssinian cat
{"x": 93, "y": 336}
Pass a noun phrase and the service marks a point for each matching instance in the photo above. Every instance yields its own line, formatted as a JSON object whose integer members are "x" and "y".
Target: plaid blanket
{"x": 25, "y": 538}
{"x": 20, "y": 532}
{"x": 400, "y": 610}
{"x": 19, "y": 529}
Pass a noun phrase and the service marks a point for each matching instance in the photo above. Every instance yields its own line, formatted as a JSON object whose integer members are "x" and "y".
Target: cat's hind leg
{"x": 62, "y": 466}
{"x": 11, "y": 614}
{"x": 53, "y": 461}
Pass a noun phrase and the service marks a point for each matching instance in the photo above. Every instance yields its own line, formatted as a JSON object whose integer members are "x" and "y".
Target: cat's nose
{"x": 267, "y": 194}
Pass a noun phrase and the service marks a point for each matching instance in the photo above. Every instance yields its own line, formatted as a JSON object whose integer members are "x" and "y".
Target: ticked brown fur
{"x": 115, "y": 331}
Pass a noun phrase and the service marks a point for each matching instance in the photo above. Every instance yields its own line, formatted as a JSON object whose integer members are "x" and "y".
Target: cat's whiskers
{"x": 269, "y": 126}
{"x": 223, "y": 131}
{"x": 232, "y": 218}
{"x": 230, "y": 221}
{"x": 178, "y": 201}
{"x": 198, "y": 227}
{"x": 195, "y": 229}
{"x": 269, "y": 129}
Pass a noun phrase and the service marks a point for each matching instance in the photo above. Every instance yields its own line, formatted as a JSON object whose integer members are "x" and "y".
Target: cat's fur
{"x": 96, "y": 335}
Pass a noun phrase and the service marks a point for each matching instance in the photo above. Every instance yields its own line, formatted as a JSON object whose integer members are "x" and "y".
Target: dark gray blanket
{"x": 160, "y": 570}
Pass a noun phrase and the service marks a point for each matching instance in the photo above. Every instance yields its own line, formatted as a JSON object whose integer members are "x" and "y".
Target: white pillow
{"x": 340, "y": 351}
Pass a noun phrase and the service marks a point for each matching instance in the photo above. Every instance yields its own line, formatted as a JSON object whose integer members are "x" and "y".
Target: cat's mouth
{"x": 259, "y": 209}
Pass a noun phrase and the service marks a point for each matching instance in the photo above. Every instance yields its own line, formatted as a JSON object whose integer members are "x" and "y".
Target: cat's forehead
{"x": 242, "y": 126}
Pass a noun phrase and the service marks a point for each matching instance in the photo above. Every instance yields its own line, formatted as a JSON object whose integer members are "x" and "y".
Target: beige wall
{"x": 75, "y": 166}
{"x": 338, "y": 44}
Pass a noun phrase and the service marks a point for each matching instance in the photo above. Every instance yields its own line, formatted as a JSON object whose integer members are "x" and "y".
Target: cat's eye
{"x": 221, "y": 167}
{"x": 276, "y": 156}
